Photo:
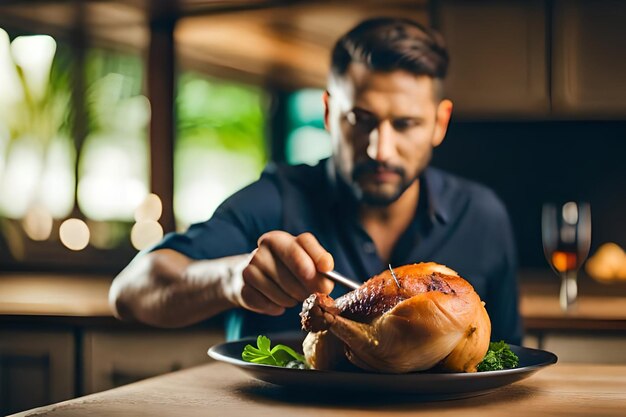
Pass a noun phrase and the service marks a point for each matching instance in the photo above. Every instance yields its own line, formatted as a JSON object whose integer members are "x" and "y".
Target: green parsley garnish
{"x": 279, "y": 355}
{"x": 499, "y": 356}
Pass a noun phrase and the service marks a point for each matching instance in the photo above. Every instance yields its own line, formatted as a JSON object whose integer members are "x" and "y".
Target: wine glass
{"x": 566, "y": 236}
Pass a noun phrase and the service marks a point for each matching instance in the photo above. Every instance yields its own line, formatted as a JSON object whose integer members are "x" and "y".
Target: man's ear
{"x": 326, "y": 100}
{"x": 444, "y": 112}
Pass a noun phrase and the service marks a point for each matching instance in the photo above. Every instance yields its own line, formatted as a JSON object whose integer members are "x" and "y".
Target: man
{"x": 373, "y": 203}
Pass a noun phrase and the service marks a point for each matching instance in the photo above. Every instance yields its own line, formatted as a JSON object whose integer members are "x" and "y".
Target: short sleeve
{"x": 236, "y": 225}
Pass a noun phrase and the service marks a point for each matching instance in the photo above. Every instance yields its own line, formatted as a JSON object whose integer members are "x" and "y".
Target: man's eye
{"x": 403, "y": 124}
{"x": 362, "y": 121}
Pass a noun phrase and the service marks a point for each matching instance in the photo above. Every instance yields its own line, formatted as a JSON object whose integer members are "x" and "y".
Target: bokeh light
{"x": 608, "y": 263}
{"x": 150, "y": 208}
{"x": 111, "y": 186}
{"x": 308, "y": 145}
{"x": 19, "y": 182}
{"x": 10, "y": 89}
{"x": 58, "y": 181}
{"x": 146, "y": 233}
{"x": 37, "y": 223}
{"x": 34, "y": 55}
{"x": 74, "y": 234}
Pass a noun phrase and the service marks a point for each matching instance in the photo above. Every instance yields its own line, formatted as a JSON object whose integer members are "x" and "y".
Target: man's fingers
{"x": 303, "y": 256}
{"x": 323, "y": 285}
{"x": 323, "y": 260}
{"x": 257, "y": 302}
{"x": 289, "y": 251}
{"x": 280, "y": 274}
{"x": 254, "y": 277}
{"x": 292, "y": 285}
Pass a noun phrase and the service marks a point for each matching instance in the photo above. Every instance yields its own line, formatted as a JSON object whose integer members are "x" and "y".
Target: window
{"x": 36, "y": 158}
{"x": 220, "y": 143}
{"x": 76, "y": 176}
{"x": 307, "y": 140}
{"x": 69, "y": 179}
{"x": 113, "y": 164}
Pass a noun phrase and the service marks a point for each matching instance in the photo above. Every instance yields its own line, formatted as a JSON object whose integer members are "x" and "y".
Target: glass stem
{"x": 569, "y": 290}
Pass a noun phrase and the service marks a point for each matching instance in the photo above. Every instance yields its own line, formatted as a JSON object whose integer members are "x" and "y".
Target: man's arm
{"x": 167, "y": 289}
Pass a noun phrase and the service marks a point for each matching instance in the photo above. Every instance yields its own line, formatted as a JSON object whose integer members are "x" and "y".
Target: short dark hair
{"x": 387, "y": 44}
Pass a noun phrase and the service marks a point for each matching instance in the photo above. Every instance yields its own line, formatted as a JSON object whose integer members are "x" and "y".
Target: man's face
{"x": 384, "y": 127}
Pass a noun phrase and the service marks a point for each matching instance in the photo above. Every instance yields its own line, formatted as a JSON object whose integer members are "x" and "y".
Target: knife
{"x": 340, "y": 279}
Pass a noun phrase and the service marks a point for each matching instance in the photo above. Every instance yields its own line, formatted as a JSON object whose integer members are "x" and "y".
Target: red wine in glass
{"x": 566, "y": 236}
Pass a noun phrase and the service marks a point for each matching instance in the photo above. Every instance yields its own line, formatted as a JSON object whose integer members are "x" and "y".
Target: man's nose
{"x": 381, "y": 142}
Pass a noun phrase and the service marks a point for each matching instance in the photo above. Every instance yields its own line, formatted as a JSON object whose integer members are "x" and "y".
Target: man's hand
{"x": 283, "y": 271}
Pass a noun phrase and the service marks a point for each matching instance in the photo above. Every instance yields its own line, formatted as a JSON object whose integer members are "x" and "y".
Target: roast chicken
{"x": 412, "y": 318}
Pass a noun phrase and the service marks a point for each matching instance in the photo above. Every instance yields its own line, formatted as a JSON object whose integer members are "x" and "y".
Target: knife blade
{"x": 342, "y": 280}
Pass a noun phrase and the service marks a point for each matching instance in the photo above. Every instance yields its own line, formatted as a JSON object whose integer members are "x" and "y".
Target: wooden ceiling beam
{"x": 267, "y": 42}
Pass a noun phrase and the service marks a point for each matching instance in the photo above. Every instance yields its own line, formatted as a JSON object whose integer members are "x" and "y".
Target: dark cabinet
{"x": 498, "y": 57}
{"x": 36, "y": 368}
{"x": 536, "y": 59}
{"x": 589, "y": 58}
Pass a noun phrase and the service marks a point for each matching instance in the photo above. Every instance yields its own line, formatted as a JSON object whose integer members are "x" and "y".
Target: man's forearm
{"x": 167, "y": 289}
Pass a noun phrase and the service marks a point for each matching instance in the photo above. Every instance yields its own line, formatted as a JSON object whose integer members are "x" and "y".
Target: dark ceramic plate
{"x": 431, "y": 386}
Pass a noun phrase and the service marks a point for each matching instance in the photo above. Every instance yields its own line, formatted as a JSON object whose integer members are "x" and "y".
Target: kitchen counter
{"x": 55, "y": 299}
{"x": 54, "y": 295}
{"x": 220, "y": 389}
{"x": 599, "y": 308}
{"x": 79, "y": 300}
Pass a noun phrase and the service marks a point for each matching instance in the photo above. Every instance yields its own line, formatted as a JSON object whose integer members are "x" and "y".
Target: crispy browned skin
{"x": 380, "y": 294}
{"x": 426, "y": 316}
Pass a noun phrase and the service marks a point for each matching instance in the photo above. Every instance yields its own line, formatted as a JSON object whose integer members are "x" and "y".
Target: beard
{"x": 379, "y": 198}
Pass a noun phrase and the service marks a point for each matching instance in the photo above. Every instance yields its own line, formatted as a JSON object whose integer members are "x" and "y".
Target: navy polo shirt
{"x": 457, "y": 223}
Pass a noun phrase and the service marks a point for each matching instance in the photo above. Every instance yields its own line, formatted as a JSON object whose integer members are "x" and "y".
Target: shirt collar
{"x": 433, "y": 187}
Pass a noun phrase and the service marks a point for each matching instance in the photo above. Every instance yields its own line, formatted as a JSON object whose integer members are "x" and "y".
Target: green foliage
{"x": 113, "y": 95}
{"x": 58, "y": 95}
{"x": 44, "y": 118}
{"x": 279, "y": 355}
{"x": 498, "y": 357}
{"x": 218, "y": 114}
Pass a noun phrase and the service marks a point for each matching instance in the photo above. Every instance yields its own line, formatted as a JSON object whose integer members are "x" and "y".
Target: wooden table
{"x": 222, "y": 390}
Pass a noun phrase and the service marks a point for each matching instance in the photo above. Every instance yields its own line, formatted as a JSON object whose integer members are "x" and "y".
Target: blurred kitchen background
{"x": 123, "y": 120}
